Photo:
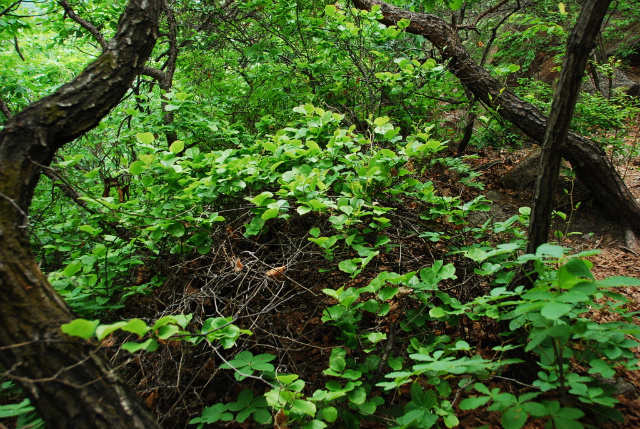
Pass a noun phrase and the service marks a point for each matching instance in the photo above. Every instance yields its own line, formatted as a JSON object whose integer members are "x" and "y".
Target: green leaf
{"x": 270, "y": 214}
{"x": 167, "y": 331}
{"x": 72, "y": 268}
{"x": 579, "y": 268}
{"x": 617, "y": 281}
{"x": 103, "y": 330}
{"x": 451, "y": 420}
{"x": 514, "y": 418}
{"x": 437, "y": 313}
{"x": 136, "y": 167}
{"x": 554, "y": 310}
{"x": 348, "y": 266}
{"x": 357, "y": 396}
{"x": 146, "y": 138}
{"x": 550, "y": 250}
{"x": 262, "y": 416}
{"x": 136, "y": 326}
{"x": 388, "y": 293}
{"x": 474, "y": 402}
{"x": 330, "y": 10}
{"x": 151, "y": 345}
{"x": 177, "y": 146}
{"x": 330, "y": 414}
{"x": 303, "y": 210}
{"x": 13, "y": 410}
{"x": 304, "y": 407}
{"x": 176, "y": 229}
{"x": 80, "y": 328}
{"x": 213, "y": 414}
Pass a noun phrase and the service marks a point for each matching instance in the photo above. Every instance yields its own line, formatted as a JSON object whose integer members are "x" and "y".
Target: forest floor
{"x": 586, "y": 227}
{"x": 273, "y": 284}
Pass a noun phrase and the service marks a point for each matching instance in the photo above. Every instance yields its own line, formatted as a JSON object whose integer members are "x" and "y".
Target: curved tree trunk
{"x": 70, "y": 384}
{"x": 590, "y": 163}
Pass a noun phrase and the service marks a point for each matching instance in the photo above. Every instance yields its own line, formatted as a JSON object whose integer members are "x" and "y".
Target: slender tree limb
{"x": 9, "y": 8}
{"x": 482, "y": 15}
{"x": 5, "y": 109}
{"x": 17, "y": 46}
{"x": 84, "y": 23}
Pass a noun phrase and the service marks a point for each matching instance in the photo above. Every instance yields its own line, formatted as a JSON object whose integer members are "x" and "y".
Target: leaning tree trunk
{"x": 590, "y": 163}
{"x": 581, "y": 42}
{"x": 70, "y": 384}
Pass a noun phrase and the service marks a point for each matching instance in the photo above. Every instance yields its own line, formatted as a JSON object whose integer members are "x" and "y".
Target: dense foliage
{"x": 305, "y": 140}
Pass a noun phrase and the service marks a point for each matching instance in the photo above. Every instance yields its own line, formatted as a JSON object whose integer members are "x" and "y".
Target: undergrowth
{"x": 319, "y": 252}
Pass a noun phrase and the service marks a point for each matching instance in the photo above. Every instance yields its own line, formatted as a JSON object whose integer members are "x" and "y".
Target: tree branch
{"x": 5, "y": 109}
{"x": 10, "y": 7}
{"x": 84, "y": 24}
{"x": 482, "y": 15}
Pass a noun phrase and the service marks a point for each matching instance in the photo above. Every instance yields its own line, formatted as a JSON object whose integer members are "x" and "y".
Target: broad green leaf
{"x": 357, "y": 396}
{"x": 387, "y": 293}
{"x": 330, "y": 414}
{"x": 176, "y": 229}
{"x": 550, "y": 250}
{"x": 146, "y": 138}
{"x": 104, "y": 330}
{"x": 80, "y": 328}
{"x": 151, "y": 345}
{"x": 474, "y": 402}
{"x": 554, "y": 310}
{"x": 270, "y": 214}
{"x": 136, "y": 167}
{"x": 72, "y": 268}
{"x": 330, "y": 10}
{"x": 167, "y": 331}
{"x": 303, "y": 210}
{"x": 514, "y": 418}
{"x": 617, "y": 281}
{"x": 304, "y": 407}
{"x": 213, "y": 414}
{"x": 177, "y": 146}
{"x": 348, "y": 266}
{"x": 451, "y": 420}
{"x": 437, "y": 313}
{"x": 136, "y": 326}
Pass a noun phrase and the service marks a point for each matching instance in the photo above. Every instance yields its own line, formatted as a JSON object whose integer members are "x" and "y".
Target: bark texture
{"x": 590, "y": 163}
{"x": 70, "y": 385}
{"x": 581, "y": 42}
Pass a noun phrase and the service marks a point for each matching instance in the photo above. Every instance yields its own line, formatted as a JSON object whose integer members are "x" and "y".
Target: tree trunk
{"x": 590, "y": 163}
{"x": 581, "y": 42}
{"x": 70, "y": 384}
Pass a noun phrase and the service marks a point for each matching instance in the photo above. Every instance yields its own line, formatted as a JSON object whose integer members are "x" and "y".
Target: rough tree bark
{"x": 579, "y": 46}
{"x": 590, "y": 163}
{"x": 70, "y": 384}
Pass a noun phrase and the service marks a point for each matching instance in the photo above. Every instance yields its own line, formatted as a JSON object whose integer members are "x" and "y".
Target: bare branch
{"x": 84, "y": 24}
{"x": 482, "y": 15}
{"x": 10, "y": 7}
{"x": 5, "y": 109}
